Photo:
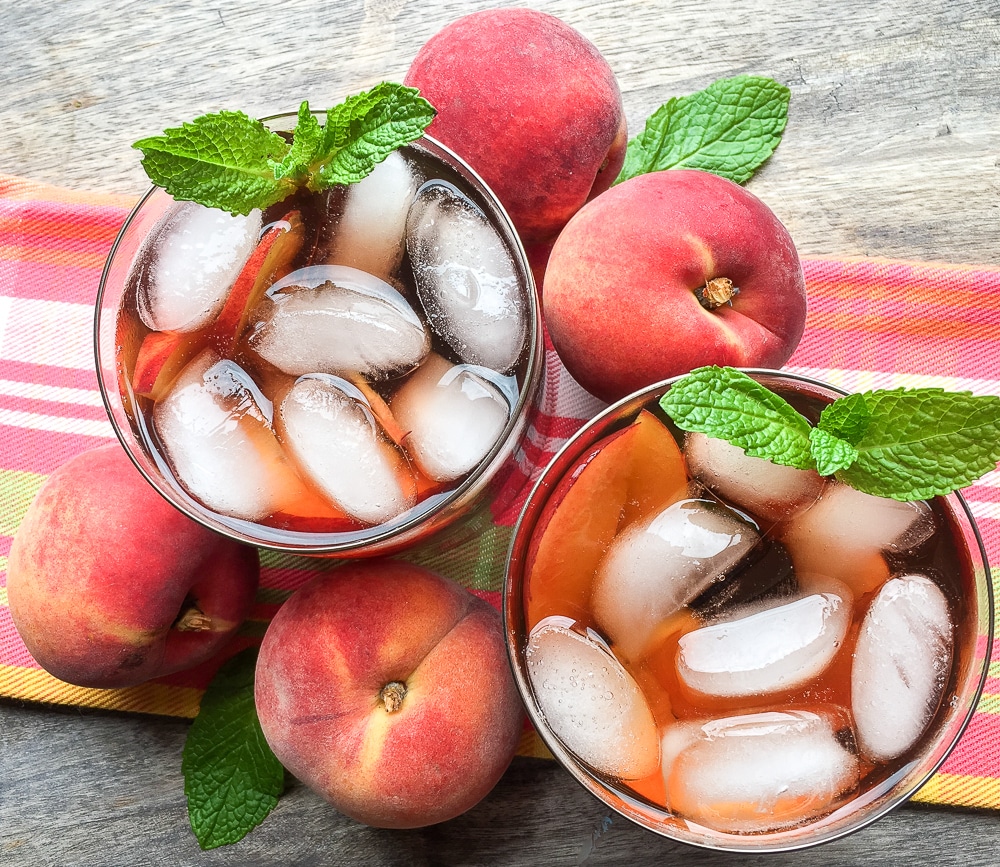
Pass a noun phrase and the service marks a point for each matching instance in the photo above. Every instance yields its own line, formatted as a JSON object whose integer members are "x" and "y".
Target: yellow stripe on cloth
{"x": 532, "y": 746}
{"x": 31, "y": 684}
{"x": 959, "y": 790}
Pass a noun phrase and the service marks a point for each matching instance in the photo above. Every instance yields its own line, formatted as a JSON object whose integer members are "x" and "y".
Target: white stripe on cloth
{"x": 53, "y": 333}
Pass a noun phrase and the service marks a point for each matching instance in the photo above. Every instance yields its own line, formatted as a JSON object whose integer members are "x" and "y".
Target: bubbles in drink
{"x": 194, "y": 257}
{"x": 758, "y": 771}
{"x": 657, "y": 566}
{"x": 590, "y": 701}
{"x": 215, "y": 429}
{"x": 901, "y": 663}
{"x": 339, "y": 320}
{"x": 790, "y": 665}
{"x": 466, "y": 278}
{"x": 453, "y": 415}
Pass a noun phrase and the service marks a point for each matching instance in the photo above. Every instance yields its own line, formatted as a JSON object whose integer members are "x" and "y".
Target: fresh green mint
{"x": 232, "y": 780}
{"x": 730, "y": 128}
{"x": 233, "y": 162}
{"x": 906, "y": 444}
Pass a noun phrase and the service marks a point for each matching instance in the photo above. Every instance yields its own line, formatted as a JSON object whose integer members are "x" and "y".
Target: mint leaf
{"x": 830, "y": 452}
{"x": 219, "y": 160}
{"x": 726, "y": 403}
{"x": 364, "y": 129}
{"x": 232, "y": 780}
{"x": 306, "y": 141}
{"x": 925, "y": 442}
{"x": 847, "y": 418}
{"x": 730, "y": 128}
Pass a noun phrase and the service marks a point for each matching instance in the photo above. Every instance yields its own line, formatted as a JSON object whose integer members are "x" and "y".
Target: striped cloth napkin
{"x": 871, "y": 324}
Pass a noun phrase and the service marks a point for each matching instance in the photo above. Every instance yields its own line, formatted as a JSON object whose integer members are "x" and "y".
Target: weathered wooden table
{"x": 892, "y": 150}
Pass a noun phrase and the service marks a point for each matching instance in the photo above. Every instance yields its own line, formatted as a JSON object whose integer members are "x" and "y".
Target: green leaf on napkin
{"x": 730, "y": 128}
{"x": 906, "y": 444}
{"x": 232, "y": 780}
{"x": 232, "y": 162}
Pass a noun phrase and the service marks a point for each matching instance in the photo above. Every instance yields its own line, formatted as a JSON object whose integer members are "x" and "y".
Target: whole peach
{"x": 531, "y": 105}
{"x": 386, "y": 689}
{"x": 110, "y": 586}
{"x": 667, "y": 272}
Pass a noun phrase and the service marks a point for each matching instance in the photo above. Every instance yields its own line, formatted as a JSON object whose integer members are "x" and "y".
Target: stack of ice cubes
{"x": 413, "y": 285}
{"x": 746, "y": 746}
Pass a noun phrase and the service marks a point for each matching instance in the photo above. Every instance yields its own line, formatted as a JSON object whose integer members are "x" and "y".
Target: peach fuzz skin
{"x": 101, "y": 568}
{"x": 338, "y": 642}
{"x": 532, "y": 106}
{"x": 619, "y": 293}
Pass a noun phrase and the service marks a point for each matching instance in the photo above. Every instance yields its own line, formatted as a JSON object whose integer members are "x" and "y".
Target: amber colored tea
{"x": 745, "y": 647}
{"x": 342, "y": 361}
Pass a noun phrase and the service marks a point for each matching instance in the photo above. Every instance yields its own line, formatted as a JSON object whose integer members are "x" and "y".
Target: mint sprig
{"x": 730, "y": 128}
{"x": 905, "y": 444}
{"x": 232, "y": 780}
{"x": 233, "y": 162}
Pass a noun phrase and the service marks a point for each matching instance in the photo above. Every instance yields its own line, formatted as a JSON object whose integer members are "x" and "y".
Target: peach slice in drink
{"x": 162, "y": 356}
{"x": 625, "y": 475}
{"x": 270, "y": 260}
{"x": 658, "y": 475}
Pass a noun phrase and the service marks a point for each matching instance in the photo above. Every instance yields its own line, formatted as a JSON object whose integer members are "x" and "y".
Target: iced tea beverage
{"x": 734, "y": 653}
{"x": 342, "y": 372}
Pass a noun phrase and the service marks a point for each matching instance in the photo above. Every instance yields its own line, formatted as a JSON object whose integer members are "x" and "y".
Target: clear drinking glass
{"x": 440, "y": 509}
{"x": 974, "y": 626}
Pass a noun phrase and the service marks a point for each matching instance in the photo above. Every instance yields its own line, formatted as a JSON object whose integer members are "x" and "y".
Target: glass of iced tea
{"x": 735, "y": 654}
{"x": 341, "y": 374}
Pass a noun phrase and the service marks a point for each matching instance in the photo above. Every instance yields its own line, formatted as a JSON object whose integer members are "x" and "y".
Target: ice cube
{"x": 770, "y": 492}
{"x": 466, "y": 279}
{"x": 334, "y": 438}
{"x": 901, "y": 664}
{"x": 590, "y": 702}
{"x": 454, "y": 414}
{"x": 337, "y": 320}
{"x": 658, "y": 565}
{"x": 214, "y": 427}
{"x": 844, "y": 534}
{"x": 195, "y": 256}
{"x": 757, "y": 772}
{"x": 370, "y": 233}
{"x": 765, "y": 650}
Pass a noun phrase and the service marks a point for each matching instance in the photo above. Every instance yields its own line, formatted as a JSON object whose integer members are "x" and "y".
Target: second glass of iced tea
{"x": 341, "y": 374}
{"x": 735, "y": 654}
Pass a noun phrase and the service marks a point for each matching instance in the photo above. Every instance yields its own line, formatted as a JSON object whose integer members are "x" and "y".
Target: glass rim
{"x": 382, "y": 535}
{"x": 732, "y": 842}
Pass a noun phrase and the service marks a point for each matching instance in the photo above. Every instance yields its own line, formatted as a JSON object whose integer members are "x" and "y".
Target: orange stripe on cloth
{"x": 23, "y": 190}
{"x": 51, "y": 256}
